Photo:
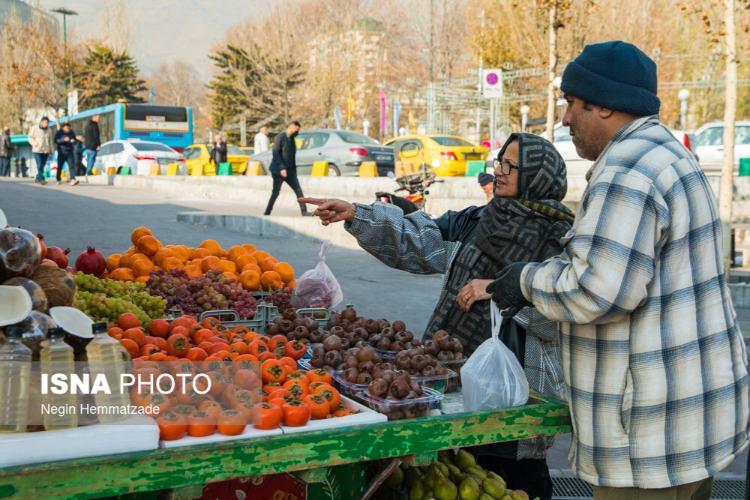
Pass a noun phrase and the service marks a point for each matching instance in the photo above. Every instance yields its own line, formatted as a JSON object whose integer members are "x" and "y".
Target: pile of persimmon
{"x": 255, "y": 269}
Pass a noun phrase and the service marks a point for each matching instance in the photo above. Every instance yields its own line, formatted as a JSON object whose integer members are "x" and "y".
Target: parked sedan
{"x": 343, "y": 150}
{"x": 139, "y": 156}
{"x": 709, "y": 143}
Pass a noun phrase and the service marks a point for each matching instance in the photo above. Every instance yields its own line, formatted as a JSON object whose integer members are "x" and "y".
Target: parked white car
{"x": 139, "y": 156}
{"x": 709, "y": 143}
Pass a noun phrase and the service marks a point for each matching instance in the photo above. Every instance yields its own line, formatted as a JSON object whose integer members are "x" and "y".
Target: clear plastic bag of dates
{"x": 492, "y": 377}
{"x": 318, "y": 287}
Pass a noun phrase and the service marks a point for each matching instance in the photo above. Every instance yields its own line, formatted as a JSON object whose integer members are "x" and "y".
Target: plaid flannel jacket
{"x": 655, "y": 361}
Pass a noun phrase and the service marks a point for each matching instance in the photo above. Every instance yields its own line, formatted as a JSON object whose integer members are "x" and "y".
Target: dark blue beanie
{"x": 614, "y": 75}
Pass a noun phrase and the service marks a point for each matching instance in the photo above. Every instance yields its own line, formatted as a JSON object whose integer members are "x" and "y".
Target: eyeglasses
{"x": 505, "y": 166}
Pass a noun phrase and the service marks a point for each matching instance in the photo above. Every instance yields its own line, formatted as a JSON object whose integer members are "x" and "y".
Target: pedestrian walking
{"x": 260, "y": 142}
{"x": 66, "y": 140}
{"x": 218, "y": 151}
{"x": 6, "y": 151}
{"x": 92, "y": 142}
{"x": 40, "y": 138}
{"x": 651, "y": 348}
{"x": 524, "y": 218}
{"x": 284, "y": 166}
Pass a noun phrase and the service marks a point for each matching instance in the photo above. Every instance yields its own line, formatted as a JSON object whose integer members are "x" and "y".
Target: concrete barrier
{"x": 295, "y": 228}
{"x": 368, "y": 169}
{"x": 320, "y": 169}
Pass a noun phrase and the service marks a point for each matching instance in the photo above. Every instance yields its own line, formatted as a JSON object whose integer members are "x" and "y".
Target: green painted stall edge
{"x": 180, "y": 467}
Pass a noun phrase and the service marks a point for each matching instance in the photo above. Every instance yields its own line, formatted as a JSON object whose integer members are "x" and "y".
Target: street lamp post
{"x": 65, "y": 13}
{"x": 524, "y": 117}
{"x": 683, "y": 95}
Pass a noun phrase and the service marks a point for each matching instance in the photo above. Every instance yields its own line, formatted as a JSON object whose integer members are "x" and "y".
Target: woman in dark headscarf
{"x": 523, "y": 222}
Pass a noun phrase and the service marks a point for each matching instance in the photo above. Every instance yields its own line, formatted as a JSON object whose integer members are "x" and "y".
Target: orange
{"x": 171, "y": 263}
{"x": 138, "y": 233}
{"x": 199, "y": 253}
{"x": 230, "y": 274}
{"x": 267, "y": 264}
{"x": 162, "y": 254}
{"x": 148, "y": 245}
{"x": 143, "y": 279}
{"x": 235, "y": 252}
{"x": 209, "y": 263}
{"x": 181, "y": 252}
{"x": 226, "y": 265}
{"x": 113, "y": 261}
{"x": 244, "y": 260}
{"x": 250, "y": 280}
{"x": 212, "y": 246}
{"x": 253, "y": 267}
{"x": 285, "y": 270}
{"x": 271, "y": 280}
{"x": 250, "y": 248}
{"x": 122, "y": 274}
{"x": 194, "y": 271}
{"x": 142, "y": 267}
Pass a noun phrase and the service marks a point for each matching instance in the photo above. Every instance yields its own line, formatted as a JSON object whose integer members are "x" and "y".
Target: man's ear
{"x": 605, "y": 113}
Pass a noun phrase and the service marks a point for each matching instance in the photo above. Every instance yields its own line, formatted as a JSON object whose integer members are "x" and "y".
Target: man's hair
{"x": 66, "y": 124}
{"x": 295, "y": 123}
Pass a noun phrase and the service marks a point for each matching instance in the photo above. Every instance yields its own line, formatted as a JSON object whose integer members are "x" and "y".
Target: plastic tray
{"x": 347, "y": 387}
{"x": 440, "y": 383}
{"x": 454, "y": 385}
{"x": 403, "y": 409}
{"x": 249, "y": 433}
{"x": 385, "y": 355}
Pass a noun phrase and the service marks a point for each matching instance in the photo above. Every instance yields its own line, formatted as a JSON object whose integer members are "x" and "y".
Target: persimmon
{"x": 128, "y": 320}
{"x": 271, "y": 279}
{"x": 131, "y": 346}
{"x": 115, "y": 330}
{"x": 113, "y": 261}
{"x": 209, "y": 263}
{"x": 250, "y": 280}
{"x": 285, "y": 270}
{"x": 136, "y": 334}
{"x": 159, "y": 328}
{"x": 148, "y": 245}
{"x": 212, "y": 246}
{"x": 122, "y": 274}
{"x": 139, "y": 232}
{"x": 186, "y": 322}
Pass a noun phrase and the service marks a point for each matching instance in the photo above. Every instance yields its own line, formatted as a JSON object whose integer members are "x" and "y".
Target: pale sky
{"x": 162, "y": 30}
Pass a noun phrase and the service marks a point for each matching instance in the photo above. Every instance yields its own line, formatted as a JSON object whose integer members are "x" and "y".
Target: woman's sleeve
{"x": 410, "y": 243}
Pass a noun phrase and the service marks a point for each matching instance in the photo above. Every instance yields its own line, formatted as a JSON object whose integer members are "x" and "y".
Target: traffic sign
{"x": 492, "y": 83}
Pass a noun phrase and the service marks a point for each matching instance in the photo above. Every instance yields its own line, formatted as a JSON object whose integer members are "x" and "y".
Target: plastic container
{"x": 439, "y": 383}
{"x": 454, "y": 384}
{"x": 15, "y": 372}
{"x": 405, "y": 408}
{"x": 346, "y": 387}
{"x": 385, "y": 355}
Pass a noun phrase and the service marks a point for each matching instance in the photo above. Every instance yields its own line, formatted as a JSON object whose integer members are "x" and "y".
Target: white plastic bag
{"x": 492, "y": 377}
{"x": 318, "y": 286}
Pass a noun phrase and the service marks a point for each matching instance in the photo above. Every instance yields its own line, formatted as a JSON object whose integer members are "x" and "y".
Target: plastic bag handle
{"x": 323, "y": 249}
{"x": 496, "y": 320}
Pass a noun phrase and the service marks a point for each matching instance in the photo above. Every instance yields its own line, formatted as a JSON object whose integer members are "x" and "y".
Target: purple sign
{"x": 492, "y": 78}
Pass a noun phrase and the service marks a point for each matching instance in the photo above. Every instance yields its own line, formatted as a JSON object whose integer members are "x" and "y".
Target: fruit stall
{"x": 286, "y": 394}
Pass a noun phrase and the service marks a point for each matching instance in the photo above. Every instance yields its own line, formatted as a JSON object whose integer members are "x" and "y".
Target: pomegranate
{"x": 43, "y": 245}
{"x": 59, "y": 255}
{"x": 91, "y": 262}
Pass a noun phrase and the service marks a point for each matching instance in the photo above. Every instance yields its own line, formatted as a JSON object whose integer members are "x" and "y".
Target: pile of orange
{"x": 255, "y": 269}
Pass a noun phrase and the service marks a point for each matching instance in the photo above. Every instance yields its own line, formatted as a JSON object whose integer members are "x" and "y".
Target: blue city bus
{"x": 170, "y": 125}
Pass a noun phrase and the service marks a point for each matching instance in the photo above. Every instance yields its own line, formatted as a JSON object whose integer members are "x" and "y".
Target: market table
{"x": 187, "y": 469}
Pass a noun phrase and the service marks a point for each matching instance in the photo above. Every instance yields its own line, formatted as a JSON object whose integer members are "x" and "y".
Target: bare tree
{"x": 730, "y": 110}
{"x": 177, "y": 83}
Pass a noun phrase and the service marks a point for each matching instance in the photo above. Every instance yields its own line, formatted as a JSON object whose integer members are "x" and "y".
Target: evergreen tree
{"x": 107, "y": 76}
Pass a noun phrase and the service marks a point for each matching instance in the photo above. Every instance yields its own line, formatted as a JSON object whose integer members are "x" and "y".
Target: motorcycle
{"x": 416, "y": 185}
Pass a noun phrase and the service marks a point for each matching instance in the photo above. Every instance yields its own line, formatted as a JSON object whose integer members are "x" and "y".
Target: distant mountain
{"x": 161, "y": 30}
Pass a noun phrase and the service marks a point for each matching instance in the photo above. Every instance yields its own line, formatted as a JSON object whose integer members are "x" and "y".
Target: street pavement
{"x": 103, "y": 216}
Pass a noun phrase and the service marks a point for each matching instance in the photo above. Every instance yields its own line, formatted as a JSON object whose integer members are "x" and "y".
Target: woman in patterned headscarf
{"x": 523, "y": 222}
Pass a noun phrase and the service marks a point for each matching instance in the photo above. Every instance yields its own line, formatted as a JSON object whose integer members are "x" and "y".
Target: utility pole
{"x": 730, "y": 110}
{"x": 65, "y": 13}
{"x": 431, "y": 90}
{"x": 478, "y": 118}
{"x": 551, "y": 101}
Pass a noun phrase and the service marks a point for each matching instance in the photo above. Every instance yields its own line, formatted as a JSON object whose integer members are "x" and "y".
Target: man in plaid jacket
{"x": 651, "y": 350}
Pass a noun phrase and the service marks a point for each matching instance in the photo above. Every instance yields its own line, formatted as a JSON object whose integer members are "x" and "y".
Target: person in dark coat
{"x": 284, "y": 167}
{"x": 219, "y": 151}
{"x": 92, "y": 142}
{"x": 6, "y": 151}
{"x": 65, "y": 139}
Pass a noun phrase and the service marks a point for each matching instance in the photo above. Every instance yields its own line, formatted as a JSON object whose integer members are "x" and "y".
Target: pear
{"x": 469, "y": 489}
{"x": 519, "y": 495}
{"x": 464, "y": 460}
{"x": 444, "y": 470}
{"x": 395, "y": 480}
{"x": 417, "y": 491}
{"x": 496, "y": 477}
{"x": 476, "y": 471}
{"x": 493, "y": 488}
{"x": 485, "y": 496}
{"x": 455, "y": 473}
{"x": 445, "y": 490}
{"x": 412, "y": 475}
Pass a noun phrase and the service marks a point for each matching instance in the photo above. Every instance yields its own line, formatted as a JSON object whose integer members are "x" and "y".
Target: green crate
{"x": 744, "y": 167}
{"x": 225, "y": 168}
{"x": 474, "y": 168}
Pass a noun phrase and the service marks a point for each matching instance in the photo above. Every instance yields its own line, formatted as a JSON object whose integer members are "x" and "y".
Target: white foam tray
{"x": 136, "y": 433}
{"x": 250, "y": 433}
